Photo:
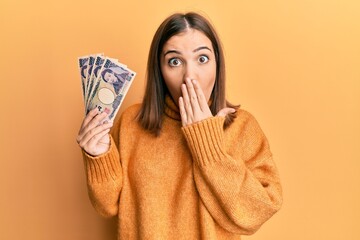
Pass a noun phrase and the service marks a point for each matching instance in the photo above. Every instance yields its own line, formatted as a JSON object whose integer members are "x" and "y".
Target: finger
{"x": 94, "y": 132}
{"x": 96, "y": 139}
{"x": 225, "y": 111}
{"x": 92, "y": 124}
{"x": 186, "y": 101}
{"x": 182, "y": 111}
{"x": 89, "y": 117}
{"x": 200, "y": 96}
{"x": 86, "y": 120}
{"x": 192, "y": 95}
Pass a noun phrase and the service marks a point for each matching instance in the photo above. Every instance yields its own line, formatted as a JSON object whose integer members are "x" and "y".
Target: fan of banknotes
{"x": 105, "y": 82}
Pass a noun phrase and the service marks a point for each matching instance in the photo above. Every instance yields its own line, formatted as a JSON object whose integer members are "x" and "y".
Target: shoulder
{"x": 243, "y": 114}
{"x": 126, "y": 119}
{"x": 246, "y": 124}
{"x": 246, "y": 132}
{"x": 128, "y": 116}
{"x": 130, "y": 113}
{"x": 244, "y": 117}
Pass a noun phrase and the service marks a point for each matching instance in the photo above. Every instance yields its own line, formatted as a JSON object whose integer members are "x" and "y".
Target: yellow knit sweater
{"x": 193, "y": 182}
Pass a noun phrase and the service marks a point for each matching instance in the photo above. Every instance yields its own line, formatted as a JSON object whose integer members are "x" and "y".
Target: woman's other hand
{"x": 193, "y": 104}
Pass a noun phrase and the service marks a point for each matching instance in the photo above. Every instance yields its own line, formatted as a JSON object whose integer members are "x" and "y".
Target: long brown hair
{"x": 150, "y": 115}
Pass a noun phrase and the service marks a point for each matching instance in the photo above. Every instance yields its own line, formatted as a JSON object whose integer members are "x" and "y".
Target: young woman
{"x": 185, "y": 164}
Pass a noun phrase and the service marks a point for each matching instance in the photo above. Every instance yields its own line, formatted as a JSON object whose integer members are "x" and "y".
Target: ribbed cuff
{"x": 205, "y": 140}
{"x": 104, "y": 167}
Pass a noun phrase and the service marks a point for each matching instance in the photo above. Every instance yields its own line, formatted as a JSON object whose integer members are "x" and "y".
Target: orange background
{"x": 295, "y": 65}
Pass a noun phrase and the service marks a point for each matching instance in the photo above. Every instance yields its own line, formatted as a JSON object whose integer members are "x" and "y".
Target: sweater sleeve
{"x": 104, "y": 180}
{"x": 240, "y": 191}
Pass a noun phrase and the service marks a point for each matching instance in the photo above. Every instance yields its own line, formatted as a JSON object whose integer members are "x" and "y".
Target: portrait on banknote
{"x": 115, "y": 76}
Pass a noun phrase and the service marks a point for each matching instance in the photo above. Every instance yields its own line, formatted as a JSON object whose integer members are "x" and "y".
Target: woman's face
{"x": 110, "y": 77}
{"x": 188, "y": 55}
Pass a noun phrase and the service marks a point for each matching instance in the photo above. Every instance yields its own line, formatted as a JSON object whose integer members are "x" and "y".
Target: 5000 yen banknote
{"x": 99, "y": 62}
{"x": 112, "y": 83}
{"x": 83, "y": 65}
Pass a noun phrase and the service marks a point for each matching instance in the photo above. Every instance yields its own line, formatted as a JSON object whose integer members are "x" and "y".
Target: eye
{"x": 174, "y": 62}
{"x": 203, "y": 59}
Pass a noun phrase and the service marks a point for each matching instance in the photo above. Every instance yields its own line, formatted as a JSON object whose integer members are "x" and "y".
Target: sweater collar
{"x": 171, "y": 109}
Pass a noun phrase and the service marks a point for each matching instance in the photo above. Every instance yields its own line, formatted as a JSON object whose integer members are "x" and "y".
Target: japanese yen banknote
{"x": 105, "y": 82}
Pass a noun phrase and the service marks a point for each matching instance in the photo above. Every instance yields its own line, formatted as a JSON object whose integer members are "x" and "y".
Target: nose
{"x": 190, "y": 71}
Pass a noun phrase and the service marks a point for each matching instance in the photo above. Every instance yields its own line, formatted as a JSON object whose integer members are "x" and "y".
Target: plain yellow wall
{"x": 295, "y": 65}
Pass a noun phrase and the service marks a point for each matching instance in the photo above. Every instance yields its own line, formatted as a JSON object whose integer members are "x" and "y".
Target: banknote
{"x": 90, "y": 70}
{"x": 94, "y": 80}
{"x": 106, "y": 85}
{"x": 99, "y": 61}
{"x": 83, "y": 65}
{"x": 113, "y": 82}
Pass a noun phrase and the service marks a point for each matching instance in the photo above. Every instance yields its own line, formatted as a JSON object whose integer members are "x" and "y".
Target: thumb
{"x": 225, "y": 111}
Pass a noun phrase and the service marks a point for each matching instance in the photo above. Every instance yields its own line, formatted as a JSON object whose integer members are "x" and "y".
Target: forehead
{"x": 188, "y": 40}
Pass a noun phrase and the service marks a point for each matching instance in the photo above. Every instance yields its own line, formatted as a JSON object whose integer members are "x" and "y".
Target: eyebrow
{"x": 195, "y": 50}
{"x": 201, "y": 48}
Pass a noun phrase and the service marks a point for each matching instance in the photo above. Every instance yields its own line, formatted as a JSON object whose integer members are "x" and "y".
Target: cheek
{"x": 173, "y": 81}
{"x": 208, "y": 80}
{"x": 207, "y": 88}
